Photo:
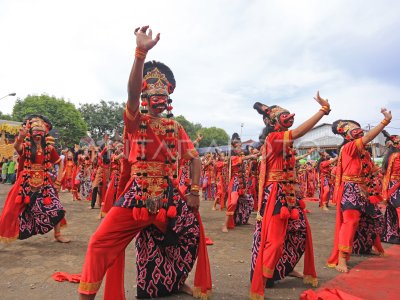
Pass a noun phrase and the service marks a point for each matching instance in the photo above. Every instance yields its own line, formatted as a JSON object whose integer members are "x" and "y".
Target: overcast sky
{"x": 225, "y": 55}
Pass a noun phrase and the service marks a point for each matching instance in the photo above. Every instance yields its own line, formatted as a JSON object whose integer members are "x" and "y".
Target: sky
{"x": 225, "y": 55}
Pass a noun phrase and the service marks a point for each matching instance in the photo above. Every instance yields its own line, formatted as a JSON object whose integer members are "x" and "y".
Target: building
{"x": 322, "y": 138}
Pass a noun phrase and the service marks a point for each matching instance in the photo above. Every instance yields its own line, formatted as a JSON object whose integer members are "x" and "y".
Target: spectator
{"x": 4, "y": 171}
{"x": 11, "y": 171}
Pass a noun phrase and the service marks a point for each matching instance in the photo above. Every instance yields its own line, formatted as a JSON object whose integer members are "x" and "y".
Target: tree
{"x": 213, "y": 136}
{"x": 6, "y": 117}
{"x": 66, "y": 119}
{"x": 190, "y": 128}
{"x": 104, "y": 117}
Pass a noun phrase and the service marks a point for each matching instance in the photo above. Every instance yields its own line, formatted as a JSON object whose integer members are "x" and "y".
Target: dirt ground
{"x": 26, "y": 266}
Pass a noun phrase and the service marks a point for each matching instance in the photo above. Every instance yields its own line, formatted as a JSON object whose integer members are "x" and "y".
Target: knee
{"x": 275, "y": 246}
{"x": 351, "y": 217}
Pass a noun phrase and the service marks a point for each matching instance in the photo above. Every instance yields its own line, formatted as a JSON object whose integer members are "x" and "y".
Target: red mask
{"x": 286, "y": 119}
{"x": 38, "y": 132}
{"x": 158, "y": 103}
{"x": 356, "y": 133}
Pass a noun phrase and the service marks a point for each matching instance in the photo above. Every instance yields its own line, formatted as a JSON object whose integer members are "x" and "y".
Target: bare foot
{"x": 90, "y": 207}
{"x": 224, "y": 229}
{"x": 214, "y": 208}
{"x": 186, "y": 289}
{"x": 296, "y": 274}
{"x": 377, "y": 253}
{"x": 59, "y": 238}
{"x": 342, "y": 268}
{"x": 325, "y": 208}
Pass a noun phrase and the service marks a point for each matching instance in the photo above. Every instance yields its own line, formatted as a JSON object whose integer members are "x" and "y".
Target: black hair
{"x": 335, "y": 130}
{"x": 385, "y": 162}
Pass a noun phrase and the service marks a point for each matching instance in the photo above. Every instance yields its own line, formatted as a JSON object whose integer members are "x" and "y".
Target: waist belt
{"x": 395, "y": 177}
{"x": 280, "y": 176}
{"x": 353, "y": 178}
{"x": 152, "y": 169}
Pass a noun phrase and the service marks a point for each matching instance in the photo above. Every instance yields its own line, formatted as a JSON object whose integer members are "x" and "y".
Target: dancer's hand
{"x": 387, "y": 114}
{"x": 193, "y": 201}
{"x": 22, "y": 133}
{"x": 321, "y": 101}
{"x": 144, "y": 39}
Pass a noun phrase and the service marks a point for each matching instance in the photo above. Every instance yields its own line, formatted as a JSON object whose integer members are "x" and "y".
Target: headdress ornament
{"x": 344, "y": 127}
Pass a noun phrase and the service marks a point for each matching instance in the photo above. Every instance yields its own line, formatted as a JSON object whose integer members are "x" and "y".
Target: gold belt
{"x": 280, "y": 176}
{"x": 353, "y": 178}
{"x": 152, "y": 169}
{"x": 395, "y": 177}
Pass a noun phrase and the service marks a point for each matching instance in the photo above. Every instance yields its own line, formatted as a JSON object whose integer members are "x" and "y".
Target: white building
{"x": 321, "y": 137}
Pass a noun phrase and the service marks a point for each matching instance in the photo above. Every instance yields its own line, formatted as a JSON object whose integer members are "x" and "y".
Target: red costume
{"x": 282, "y": 230}
{"x": 169, "y": 235}
{"x": 358, "y": 219}
{"x": 391, "y": 190}
{"x": 32, "y": 205}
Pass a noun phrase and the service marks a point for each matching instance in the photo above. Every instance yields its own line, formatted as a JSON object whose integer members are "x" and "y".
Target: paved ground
{"x": 26, "y": 266}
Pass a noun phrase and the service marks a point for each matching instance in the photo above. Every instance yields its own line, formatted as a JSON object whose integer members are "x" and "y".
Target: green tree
{"x": 6, "y": 117}
{"x": 213, "y": 136}
{"x": 103, "y": 117}
{"x": 190, "y": 128}
{"x": 66, "y": 119}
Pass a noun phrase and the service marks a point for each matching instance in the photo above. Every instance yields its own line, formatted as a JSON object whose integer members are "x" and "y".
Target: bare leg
{"x": 295, "y": 274}
{"x": 58, "y": 236}
{"x": 86, "y": 297}
{"x": 225, "y": 225}
{"x": 325, "y": 207}
{"x": 215, "y": 204}
{"x": 186, "y": 289}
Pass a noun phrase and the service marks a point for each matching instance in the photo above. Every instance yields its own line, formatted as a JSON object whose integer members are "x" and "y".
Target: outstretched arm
{"x": 305, "y": 154}
{"x": 144, "y": 42}
{"x": 370, "y": 135}
{"x": 310, "y": 123}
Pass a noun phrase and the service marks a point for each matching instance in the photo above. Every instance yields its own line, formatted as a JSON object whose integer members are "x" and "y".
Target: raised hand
{"x": 321, "y": 101}
{"x": 23, "y": 132}
{"x": 386, "y": 113}
{"x": 144, "y": 38}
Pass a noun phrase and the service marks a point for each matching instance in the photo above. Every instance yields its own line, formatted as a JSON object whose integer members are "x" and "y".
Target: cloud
{"x": 225, "y": 55}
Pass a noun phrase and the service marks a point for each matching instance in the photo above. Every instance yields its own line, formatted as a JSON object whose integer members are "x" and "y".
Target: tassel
{"x": 294, "y": 214}
{"x": 136, "y": 213}
{"x": 47, "y": 200}
{"x": 375, "y": 199}
{"x": 144, "y": 214}
{"x": 162, "y": 215}
{"x": 302, "y": 204}
{"x": 171, "y": 213}
{"x": 27, "y": 200}
{"x": 284, "y": 214}
{"x": 18, "y": 199}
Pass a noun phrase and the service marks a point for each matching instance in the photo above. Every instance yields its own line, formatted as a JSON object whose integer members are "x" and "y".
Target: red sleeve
{"x": 186, "y": 148}
{"x": 54, "y": 157}
{"x": 131, "y": 119}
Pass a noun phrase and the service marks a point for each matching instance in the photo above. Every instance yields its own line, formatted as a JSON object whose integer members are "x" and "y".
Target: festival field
{"x": 26, "y": 266}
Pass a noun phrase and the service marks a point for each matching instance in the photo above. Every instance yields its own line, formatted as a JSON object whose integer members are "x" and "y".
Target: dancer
{"x": 166, "y": 224}
{"x": 221, "y": 169}
{"x": 324, "y": 168}
{"x": 32, "y": 205}
{"x": 239, "y": 203}
{"x": 391, "y": 189}
{"x": 282, "y": 232}
{"x": 358, "y": 218}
